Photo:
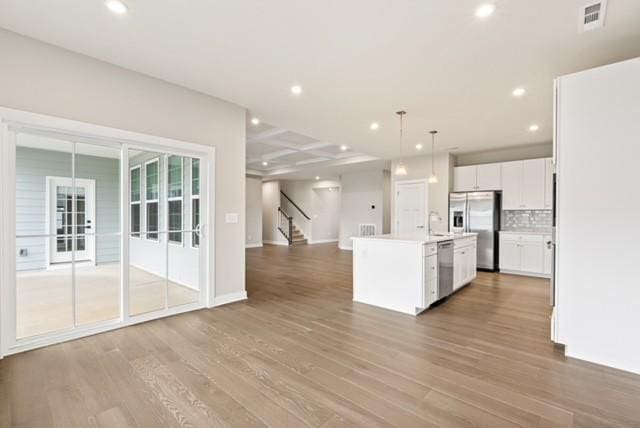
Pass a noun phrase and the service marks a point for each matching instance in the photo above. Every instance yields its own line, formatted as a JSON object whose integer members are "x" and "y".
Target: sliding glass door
{"x": 106, "y": 234}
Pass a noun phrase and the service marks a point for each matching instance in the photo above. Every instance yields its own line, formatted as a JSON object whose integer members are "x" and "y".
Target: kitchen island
{"x": 409, "y": 273}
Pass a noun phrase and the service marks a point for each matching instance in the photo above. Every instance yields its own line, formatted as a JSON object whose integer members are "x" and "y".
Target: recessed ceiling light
{"x": 485, "y": 10}
{"x": 518, "y": 92}
{"x": 317, "y": 177}
{"x": 117, "y": 7}
{"x": 343, "y": 148}
{"x": 374, "y": 126}
{"x": 419, "y": 146}
{"x": 265, "y": 163}
{"x": 534, "y": 128}
{"x": 296, "y": 89}
{"x": 255, "y": 121}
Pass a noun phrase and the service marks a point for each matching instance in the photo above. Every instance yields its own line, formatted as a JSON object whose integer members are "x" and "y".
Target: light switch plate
{"x": 231, "y": 218}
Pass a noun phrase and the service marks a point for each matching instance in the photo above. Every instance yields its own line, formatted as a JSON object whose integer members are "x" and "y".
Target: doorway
{"x": 61, "y": 195}
{"x": 411, "y": 207}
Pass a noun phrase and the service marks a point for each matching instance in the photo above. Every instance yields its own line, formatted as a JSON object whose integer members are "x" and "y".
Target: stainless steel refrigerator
{"x": 478, "y": 212}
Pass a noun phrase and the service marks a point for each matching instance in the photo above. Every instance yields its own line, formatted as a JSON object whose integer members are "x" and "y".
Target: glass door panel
{"x": 97, "y": 233}
{"x": 44, "y": 229}
{"x": 147, "y": 242}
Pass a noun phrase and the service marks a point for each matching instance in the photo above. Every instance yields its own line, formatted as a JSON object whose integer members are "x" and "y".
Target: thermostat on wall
{"x": 231, "y": 218}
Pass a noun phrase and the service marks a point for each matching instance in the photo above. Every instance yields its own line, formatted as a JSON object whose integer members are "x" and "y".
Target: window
{"x": 135, "y": 201}
{"x": 174, "y": 196}
{"x": 195, "y": 202}
{"x": 152, "y": 186}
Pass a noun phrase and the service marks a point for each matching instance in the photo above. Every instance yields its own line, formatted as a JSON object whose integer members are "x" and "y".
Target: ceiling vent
{"x": 592, "y": 15}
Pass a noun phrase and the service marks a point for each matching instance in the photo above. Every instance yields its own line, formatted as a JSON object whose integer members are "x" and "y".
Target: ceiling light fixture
{"x": 117, "y": 7}
{"x": 255, "y": 121}
{"x": 317, "y": 177}
{"x": 265, "y": 163}
{"x": 374, "y": 126}
{"x": 485, "y": 10}
{"x": 433, "y": 178}
{"x": 534, "y": 127}
{"x": 296, "y": 89}
{"x": 343, "y": 148}
{"x": 401, "y": 169}
{"x": 419, "y": 146}
{"x": 518, "y": 92}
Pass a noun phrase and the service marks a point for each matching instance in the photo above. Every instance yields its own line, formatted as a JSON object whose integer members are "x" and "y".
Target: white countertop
{"x": 417, "y": 239}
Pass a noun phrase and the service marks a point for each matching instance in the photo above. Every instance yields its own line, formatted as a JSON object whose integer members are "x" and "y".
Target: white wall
{"x": 270, "y": 204}
{"x": 419, "y": 168}
{"x": 361, "y": 191}
{"x": 320, "y": 200}
{"x": 598, "y": 300}
{"x": 41, "y": 78}
{"x": 254, "y": 212}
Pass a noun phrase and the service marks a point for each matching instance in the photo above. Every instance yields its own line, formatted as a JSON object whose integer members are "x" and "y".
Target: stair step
{"x": 299, "y": 242}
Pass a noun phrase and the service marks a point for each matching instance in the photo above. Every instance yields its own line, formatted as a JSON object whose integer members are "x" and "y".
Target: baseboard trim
{"x": 342, "y": 247}
{"x": 229, "y": 298}
{"x": 322, "y": 241}
{"x": 531, "y": 274}
{"x": 276, "y": 242}
{"x": 258, "y": 245}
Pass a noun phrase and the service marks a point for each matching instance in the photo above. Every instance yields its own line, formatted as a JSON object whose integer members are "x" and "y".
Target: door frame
{"x": 12, "y": 121}
{"x": 48, "y": 220}
{"x": 396, "y": 184}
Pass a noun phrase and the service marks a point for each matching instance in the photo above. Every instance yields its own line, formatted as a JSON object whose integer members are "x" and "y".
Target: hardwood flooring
{"x": 300, "y": 353}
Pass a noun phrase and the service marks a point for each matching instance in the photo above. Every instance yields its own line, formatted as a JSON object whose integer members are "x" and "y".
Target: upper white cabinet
{"x": 464, "y": 178}
{"x": 548, "y": 183}
{"x": 523, "y": 185}
{"x": 477, "y": 177}
{"x": 489, "y": 176}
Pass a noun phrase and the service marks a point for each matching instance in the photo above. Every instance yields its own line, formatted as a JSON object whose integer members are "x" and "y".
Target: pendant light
{"x": 433, "y": 178}
{"x": 401, "y": 169}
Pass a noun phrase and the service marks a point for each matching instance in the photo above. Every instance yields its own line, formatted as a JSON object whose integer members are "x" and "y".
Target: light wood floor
{"x": 300, "y": 353}
{"x": 45, "y": 297}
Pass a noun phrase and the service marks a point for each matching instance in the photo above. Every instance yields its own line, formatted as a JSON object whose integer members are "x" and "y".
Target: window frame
{"x": 192, "y": 198}
{"x": 138, "y": 234}
{"x": 175, "y": 199}
{"x": 151, "y": 201}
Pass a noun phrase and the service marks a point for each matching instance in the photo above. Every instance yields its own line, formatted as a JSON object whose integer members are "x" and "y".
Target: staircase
{"x": 286, "y": 226}
{"x": 297, "y": 237}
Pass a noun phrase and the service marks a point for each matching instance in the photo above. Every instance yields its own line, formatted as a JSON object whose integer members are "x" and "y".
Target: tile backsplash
{"x": 526, "y": 220}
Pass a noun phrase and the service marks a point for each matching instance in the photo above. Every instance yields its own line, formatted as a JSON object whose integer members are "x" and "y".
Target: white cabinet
{"x": 489, "y": 176}
{"x": 548, "y": 183}
{"x": 430, "y": 293}
{"x": 523, "y": 254}
{"x": 464, "y": 178}
{"x": 523, "y": 185}
{"x": 512, "y": 185}
{"x": 477, "y": 177}
{"x": 464, "y": 263}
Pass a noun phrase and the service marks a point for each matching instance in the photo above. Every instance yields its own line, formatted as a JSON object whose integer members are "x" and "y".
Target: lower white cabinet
{"x": 524, "y": 254}
{"x": 430, "y": 293}
{"x": 547, "y": 258}
{"x": 464, "y": 263}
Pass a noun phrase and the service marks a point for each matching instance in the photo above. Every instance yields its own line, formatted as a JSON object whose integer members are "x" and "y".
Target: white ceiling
{"x": 357, "y": 61}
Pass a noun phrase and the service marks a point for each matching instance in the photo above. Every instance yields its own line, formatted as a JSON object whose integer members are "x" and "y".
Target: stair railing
{"x": 300, "y": 218}
{"x": 285, "y": 225}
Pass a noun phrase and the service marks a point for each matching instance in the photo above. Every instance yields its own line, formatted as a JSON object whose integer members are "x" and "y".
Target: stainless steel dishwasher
{"x": 445, "y": 269}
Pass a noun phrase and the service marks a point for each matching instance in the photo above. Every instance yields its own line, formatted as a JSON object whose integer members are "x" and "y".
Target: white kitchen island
{"x": 402, "y": 273}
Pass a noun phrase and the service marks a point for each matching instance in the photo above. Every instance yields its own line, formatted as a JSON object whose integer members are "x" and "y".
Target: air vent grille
{"x": 367, "y": 229}
{"x": 592, "y": 15}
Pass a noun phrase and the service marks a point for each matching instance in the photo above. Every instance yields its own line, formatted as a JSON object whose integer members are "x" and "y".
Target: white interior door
{"x": 410, "y": 208}
{"x": 61, "y": 219}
